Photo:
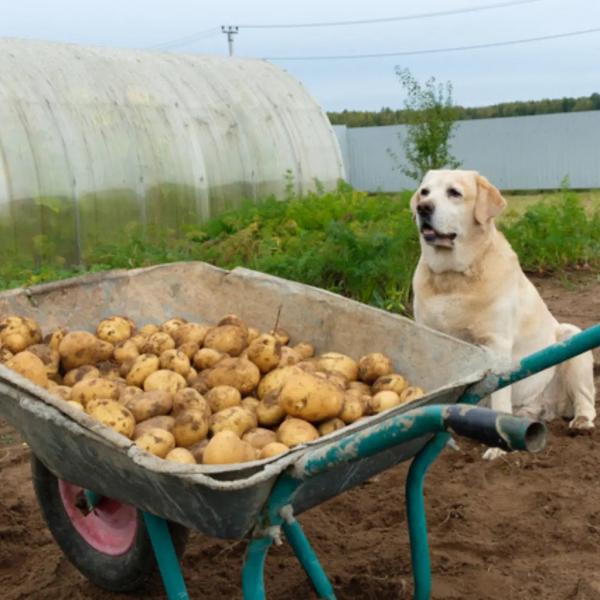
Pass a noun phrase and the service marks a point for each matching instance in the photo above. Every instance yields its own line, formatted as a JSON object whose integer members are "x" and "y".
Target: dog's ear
{"x": 489, "y": 202}
{"x": 413, "y": 204}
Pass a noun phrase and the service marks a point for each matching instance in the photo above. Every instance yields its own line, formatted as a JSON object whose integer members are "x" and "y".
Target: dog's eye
{"x": 424, "y": 192}
{"x": 454, "y": 193}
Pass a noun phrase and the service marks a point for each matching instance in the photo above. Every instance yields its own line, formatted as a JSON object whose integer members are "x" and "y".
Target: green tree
{"x": 430, "y": 118}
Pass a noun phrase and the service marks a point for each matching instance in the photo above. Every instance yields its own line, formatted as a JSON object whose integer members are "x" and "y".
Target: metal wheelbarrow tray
{"x": 218, "y": 501}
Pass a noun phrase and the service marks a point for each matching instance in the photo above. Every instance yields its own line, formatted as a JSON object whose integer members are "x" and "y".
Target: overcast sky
{"x": 561, "y": 67}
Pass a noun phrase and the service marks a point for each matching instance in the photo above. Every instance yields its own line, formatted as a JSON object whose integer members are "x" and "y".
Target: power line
{"x": 427, "y": 15}
{"x": 438, "y": 50}
{"x": 184, "y": 41}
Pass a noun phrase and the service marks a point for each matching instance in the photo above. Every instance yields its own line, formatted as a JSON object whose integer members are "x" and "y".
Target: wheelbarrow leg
{"x": 307, "y": 558}
{"x": 417, "y": 520}
{"x": 253, "y": 581}
{"x": 166, "y": 557}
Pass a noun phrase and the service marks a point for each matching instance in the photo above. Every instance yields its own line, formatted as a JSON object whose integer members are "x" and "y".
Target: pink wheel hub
{"x": 110, "y": 527}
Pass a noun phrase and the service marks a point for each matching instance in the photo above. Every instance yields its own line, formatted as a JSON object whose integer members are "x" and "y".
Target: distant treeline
{"x": 388, "y": 116}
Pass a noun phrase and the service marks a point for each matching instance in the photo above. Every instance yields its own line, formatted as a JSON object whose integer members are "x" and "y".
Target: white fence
{"x": 515, "y": 153}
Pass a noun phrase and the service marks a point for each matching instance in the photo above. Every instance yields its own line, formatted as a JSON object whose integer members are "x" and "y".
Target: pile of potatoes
{"x": 198, "y": 394}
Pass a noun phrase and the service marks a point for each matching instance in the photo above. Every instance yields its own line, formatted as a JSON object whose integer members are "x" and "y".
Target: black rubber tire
{"x": 124, "y": 573}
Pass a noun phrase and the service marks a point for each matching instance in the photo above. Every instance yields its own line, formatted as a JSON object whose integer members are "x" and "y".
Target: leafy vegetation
{"x": 389, "y": 116}
{"x": 359, "y": 245}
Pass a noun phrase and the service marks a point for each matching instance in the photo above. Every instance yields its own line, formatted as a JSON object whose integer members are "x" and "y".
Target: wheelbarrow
{"x": 113, "y": 508}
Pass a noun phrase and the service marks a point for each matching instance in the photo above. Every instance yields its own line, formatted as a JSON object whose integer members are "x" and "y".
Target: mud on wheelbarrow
{"x": 92, "y": 516}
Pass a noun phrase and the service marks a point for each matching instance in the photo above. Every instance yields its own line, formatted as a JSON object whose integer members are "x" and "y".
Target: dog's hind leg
{"x": 577, "y": 383}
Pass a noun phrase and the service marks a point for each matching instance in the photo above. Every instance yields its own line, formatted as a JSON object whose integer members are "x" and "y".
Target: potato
{"x": 234, "y": 320}
{"x": 5, "y": 354}
{"x": 190, "y": 333}
{"x": 75, "y": 404}
{"x": 229, "y": 339}
{"x": 128, "y": 391}
{"x": 330, "y": 426}
{"x": 181, "y": 456}
{"x": 226, "y": 448}
{"x": 253, "y": 333}
{"x": 191, "y": 376}
{"x": 197, "y": 450}
{"x": 383, "y": 400}
{"x": 191, "y": 426}
{"x": 374, "y": 365}
{"x": 355, "y": 405}
{"x": 258, "y": 437}
{"x": 94, "y": 388}
{"x": 54, "y": 338}
{"x": 223, "y": 396}
{"x": 289, "y": 356}
{"x": 273, "y": 449}
{"x": 281, "y": 335}
{"x": 296, "y": 431}
{"x": 126, "y": 351}
{"x": 143, "y": 366}
{"x": 189, "y": 349}
{"x": 148, "y": 330}
{"x": 311, "y": 398}
{"x": 114, "y": 330}
{"x": 80, "y": 348}
{"x": 189, "y": 398}
{"x": 268, "y": 411}
{"x": 17, "y": 333}
{"x": 113, "y": 415}
{"x": 175, "y": 360}
{"x": 165, "y": 380}
{"x": 172, "y": 325}
{"x": 64, "y": 392}
{"x": 125, "y": 368}
{"x": 275, "y": 379}
{"x": 392, "y": 382}
{"x": 207, "y": 358}
{"x": 236, "y": 372}
{"x": 79, "y": 374}
{"x": 250, "y": 403}
{"x": 339, "y": 363}
{"x": 265, "y": 353}
{"x": 156, "y": 441}
{"x": 49, "y": 357}
{"x": 199, "y": 384}
{"x": 411, "y": 393}
{"x": 29, "y": 366}
{"x": 157, "y": 343}
{"x": 236, "y": 419}
{"x": 139, "y": 340}
{"x": 109, "y": 369}
{"x": 359, "y": 385}
{"x": 333, "y": 377}
{"x": 309, "y": 365}
{"x": 165, "y": 422}
{"x": 305, "y": 350}
{"x": 149, "y": 404}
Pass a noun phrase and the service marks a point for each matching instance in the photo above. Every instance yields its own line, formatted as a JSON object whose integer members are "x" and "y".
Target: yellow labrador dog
{"x": 469, "y": 284}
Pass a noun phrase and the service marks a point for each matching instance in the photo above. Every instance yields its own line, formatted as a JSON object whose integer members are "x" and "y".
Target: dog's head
{"x": 453, "y": 210}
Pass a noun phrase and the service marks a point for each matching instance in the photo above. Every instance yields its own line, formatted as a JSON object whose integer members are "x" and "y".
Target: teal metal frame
{"x": 277, "y": 516}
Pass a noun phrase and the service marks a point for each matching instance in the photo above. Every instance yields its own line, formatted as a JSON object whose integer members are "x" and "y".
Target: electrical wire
{"x": 438, "y": 50}
{"x": 427, "y": 15}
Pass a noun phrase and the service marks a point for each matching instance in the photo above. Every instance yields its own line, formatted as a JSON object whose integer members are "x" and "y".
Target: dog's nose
{"x": 426, "y": 208}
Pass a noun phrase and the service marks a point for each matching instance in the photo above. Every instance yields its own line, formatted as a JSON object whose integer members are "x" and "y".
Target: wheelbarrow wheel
{"x": 109, "y": 545}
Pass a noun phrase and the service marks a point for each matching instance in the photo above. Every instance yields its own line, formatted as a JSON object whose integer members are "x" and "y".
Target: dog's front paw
{"x": 493, "y": 453}
{"x": 581, "y": 424}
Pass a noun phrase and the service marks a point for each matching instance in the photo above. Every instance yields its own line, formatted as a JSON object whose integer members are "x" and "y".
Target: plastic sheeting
{"x": 95, "y": 142}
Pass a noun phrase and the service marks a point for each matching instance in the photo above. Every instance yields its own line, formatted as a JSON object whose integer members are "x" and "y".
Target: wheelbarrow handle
{"x": 534, "y": 363}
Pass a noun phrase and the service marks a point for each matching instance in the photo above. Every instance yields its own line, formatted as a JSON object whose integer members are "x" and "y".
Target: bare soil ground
{"x": 522, "y": 527}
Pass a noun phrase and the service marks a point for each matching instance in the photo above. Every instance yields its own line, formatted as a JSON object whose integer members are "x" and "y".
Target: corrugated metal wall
{"x": 94, "y": 141}
{"x": 515, "y": 153}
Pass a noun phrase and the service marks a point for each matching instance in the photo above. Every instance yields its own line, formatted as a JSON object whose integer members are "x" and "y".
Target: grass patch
{"x": 359, "y": 245}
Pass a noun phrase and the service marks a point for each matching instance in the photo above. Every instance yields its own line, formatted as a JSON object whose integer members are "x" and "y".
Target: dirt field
{"x": 523, "y": 527}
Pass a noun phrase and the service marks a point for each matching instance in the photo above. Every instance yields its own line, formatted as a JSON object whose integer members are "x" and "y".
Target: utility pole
{"x": 230, "y": 30}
